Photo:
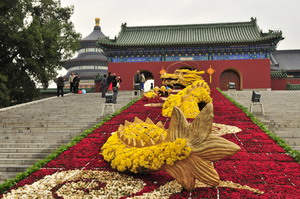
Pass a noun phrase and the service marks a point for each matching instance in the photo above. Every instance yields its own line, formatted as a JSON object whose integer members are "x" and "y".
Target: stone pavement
{"x": 282, "y": 113}
{"x": 31, "y": 131}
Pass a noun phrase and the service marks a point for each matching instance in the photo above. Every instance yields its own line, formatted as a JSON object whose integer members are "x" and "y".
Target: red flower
{"x": 260, "y": 163}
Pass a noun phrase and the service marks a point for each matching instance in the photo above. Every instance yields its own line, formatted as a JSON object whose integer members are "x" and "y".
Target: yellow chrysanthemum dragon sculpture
{"x": 182, "y": 77}
{"x": 185, "y": 150}
{"x": 188, "y": 100}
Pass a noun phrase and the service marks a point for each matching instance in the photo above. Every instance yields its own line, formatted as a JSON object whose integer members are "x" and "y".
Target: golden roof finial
{"x": 97, "y": 21}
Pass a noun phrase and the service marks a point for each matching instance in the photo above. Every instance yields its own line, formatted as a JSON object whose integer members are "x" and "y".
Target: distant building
{"x": 237, "y": 52}
{"x": 90, "y": 60}
{"x": 285, "y": 69}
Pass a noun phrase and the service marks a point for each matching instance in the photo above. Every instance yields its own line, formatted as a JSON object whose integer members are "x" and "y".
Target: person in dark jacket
{"x": 137, "y": 80}
{"x": 111, "y": 79}
{"x": 76, "y": 81}
{"x": 60, "y": 86}
{"x": 104, "y": 86}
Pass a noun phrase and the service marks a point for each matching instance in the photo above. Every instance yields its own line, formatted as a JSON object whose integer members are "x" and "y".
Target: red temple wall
{"x": 280, "y": 84}
{"x": 253, "y": 73}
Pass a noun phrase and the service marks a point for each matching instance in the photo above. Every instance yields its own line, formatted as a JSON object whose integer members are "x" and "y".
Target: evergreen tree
{"x": 35, "y": 37}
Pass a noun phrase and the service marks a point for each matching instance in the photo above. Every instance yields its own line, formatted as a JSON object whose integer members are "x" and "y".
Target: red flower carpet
{"x": 260, "y": 164}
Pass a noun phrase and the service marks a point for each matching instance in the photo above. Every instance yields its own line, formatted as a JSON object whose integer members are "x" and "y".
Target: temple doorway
{"x": 149, "y": 84}
{"x": 229, "y": 76}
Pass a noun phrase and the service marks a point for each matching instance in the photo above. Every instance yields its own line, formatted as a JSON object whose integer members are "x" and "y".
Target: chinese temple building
{"x": 231, "y": 52}
{"x": 90, "y": 60}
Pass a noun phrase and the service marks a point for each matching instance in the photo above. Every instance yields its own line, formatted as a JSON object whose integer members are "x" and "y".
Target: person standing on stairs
{"x": 104, "y": 85}
{"x": 76, "y": 81}
{"x": 142, "y": 83}
{"x": 116, "y": 86}
{"x": 60, "y": 86}
{"x": 71, "y": 77}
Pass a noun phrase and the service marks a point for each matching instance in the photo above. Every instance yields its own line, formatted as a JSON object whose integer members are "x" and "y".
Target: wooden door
{"x": 229, "y": 76}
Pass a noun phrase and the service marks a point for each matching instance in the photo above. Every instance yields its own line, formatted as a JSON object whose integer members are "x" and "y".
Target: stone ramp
{"x": 282, "y": 113}
{"x": 30, "y": 132}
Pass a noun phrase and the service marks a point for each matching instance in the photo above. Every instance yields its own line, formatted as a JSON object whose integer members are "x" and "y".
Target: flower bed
{"x": 261, "y": 169}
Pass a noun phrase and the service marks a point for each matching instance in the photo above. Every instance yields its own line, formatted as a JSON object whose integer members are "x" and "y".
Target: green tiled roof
{"x": 293, "y": 87}
{"x": 196, "y": 34}
{"x": 278, "y": 74}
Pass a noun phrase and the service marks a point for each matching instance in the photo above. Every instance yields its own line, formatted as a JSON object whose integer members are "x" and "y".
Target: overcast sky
{"x": 281, "y": 15}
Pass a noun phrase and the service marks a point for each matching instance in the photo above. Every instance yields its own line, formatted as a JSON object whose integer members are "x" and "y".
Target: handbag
{"x": 118, "y": 85}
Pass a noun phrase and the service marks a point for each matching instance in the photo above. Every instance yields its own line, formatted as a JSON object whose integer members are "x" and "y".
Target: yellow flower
{"x": 143, "y": 145}
{"x": 150, "y": 94}
{"x": 205, "y": 149}
{"x": 188, "y": 99}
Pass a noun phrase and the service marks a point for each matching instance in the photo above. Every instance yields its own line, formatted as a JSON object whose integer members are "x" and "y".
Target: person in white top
{"x": 71, "y": 77}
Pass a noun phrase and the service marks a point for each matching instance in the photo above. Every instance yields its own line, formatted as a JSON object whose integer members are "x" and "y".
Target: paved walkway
{"x": 282, "y": 113}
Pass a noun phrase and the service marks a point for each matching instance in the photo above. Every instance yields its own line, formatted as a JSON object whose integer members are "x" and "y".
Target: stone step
{"x": 296, "y": 148}
{"x": 28, "y": 145}
{"x": 32, "y": 137}
{"x": 22, "y": 161}
{"x": 282, "y": 115}
{"x": 292, "y": 141}
{"x": 286, "y": 134}
{"x": 38, "y": 116}
{"x": 283, "y": 118}
{"x": 10, "y": 134}
{"x": 43, "y": 122}
{"x": 14, "y": 168}
{"x": 77, "y": 119}
{"x": 7, "y": 175}
{"x": 61, "y": 127}
{"x": 61, "y": 112}
{"x": 23, "y": 155}
{"x": 54, "y": 140}
{"x": 287, "y": 125}
{"x": 42, "y": 125}
{"x": 38, "y": 129}
{"x": 27, "y": 150}
{"x": 289, "y": 128}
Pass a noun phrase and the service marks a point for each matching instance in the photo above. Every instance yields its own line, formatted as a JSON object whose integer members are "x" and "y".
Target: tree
{"x": 4, "y": 95}
{"x": 35, "y": 37}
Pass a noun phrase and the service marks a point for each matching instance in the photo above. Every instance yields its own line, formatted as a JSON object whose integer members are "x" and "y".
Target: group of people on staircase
{"x": 74, "y": 80}
{"x": 110, "y": 83}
